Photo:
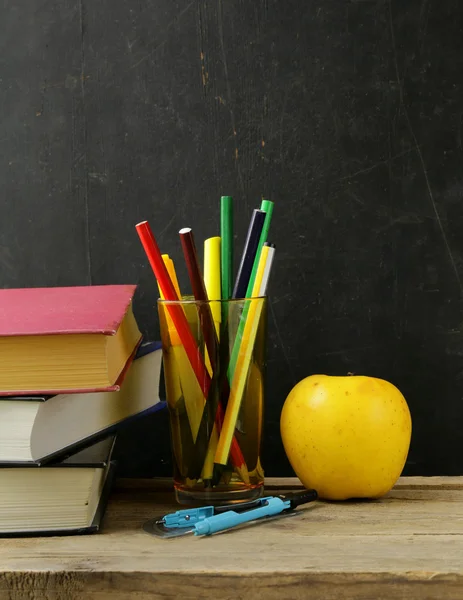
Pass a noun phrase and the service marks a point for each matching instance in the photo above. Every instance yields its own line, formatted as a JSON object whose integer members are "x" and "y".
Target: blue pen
{"x": 208, "y": 520}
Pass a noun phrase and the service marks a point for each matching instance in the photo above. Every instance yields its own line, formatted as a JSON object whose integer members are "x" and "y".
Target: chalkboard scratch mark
{"x": 282, "y": 117}
{"x": 279, "y": 298}
{"x": 131, "y": 44}
{"x": 345, "y": 351}
{"x": 6, "y": 259}
{"x": 355, "y": 197}
{"x": 378, "y": 164}
{"x": 101, "y": 177}
{"x": 84, "y": 128}
{"x": 204, "y": 73}
{"x": 168, "y": 224}
{"x": 402, "y": 220}
{"x": 227, "y": 83}
{"x": 420, "y": 156}
{"x": 424, "y": 5}
{"x": 434, "y": 206}
{"x": 166, "y": 29}
{"x": 458, "y": 132}
{"x": 282, "y": 346}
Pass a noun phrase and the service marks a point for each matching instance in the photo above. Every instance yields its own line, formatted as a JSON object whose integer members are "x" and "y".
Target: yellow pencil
{"x": 174, "y": 339}
{"x": 172, "y": 332}
{"x": 212, "y": 284}
{"x": 184, "y": 383}
{"x": 212, "y": 277}
{"x": 172, "y": 378}
{"x": 212, "y": 281}
{"x": 244, "y": 358}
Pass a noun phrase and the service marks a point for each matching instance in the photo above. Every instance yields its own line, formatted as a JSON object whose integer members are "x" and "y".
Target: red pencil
{"x": 175, "y": 310}
{"x": 181, "y": 325}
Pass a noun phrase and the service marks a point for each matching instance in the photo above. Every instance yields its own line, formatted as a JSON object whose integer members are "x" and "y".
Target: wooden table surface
{"x": 407, "y": 545}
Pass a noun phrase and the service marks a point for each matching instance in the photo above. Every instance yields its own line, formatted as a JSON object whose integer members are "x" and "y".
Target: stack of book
{"x": 72, "y": 371}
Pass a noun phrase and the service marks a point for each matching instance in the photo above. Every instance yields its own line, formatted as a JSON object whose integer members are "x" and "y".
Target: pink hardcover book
{"x": 100, "y": 310}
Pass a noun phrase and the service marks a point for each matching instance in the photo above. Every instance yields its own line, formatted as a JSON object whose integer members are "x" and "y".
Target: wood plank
{"x": 292, "y": 483}
{"x": 406, "y": 545}
{"x": 288, "y": 586}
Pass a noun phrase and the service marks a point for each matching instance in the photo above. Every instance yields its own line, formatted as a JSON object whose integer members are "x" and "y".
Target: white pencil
{"x": 268, "y": 268}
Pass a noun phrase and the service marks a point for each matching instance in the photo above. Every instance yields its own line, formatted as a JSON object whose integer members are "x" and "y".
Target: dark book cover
{"x": 97, "y": 456}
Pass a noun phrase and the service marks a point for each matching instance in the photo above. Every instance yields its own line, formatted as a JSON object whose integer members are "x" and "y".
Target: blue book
{"x": 40, "y": 430}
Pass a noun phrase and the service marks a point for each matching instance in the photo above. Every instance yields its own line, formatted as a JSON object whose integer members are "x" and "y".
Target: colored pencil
{"x": 173, "y": 381}
{"x": 212, "y": 257}
{"x": 226, "y": 253}
{"x": 267, "y": 207}
{"x": 199, "y": 292}
{"x": 212, "y": 281}
{"x": 249, "y": 253}
{"x": 244, "y": 357}
{"x": 240, "y": 329}
{"x": 267, "y": 270}
{"x": 263, "y": 292}
{"x": 174, "y": 337}
{"x": 175, "y": 310}
{"x": 172, "y": 273}
{"x": 182, "y": 382}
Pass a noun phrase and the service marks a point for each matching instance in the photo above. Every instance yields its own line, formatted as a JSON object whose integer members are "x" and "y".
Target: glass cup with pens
{"x": 216, "y": 427}
{"x": 214, "y": 346}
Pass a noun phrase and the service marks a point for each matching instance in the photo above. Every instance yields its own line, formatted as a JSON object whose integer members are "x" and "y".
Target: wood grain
{"x": 407, "y": 545}
{"x": 283, "y": 483}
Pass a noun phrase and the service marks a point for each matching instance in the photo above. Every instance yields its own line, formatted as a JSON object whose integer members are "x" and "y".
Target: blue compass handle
{"x": 269, "y": 507}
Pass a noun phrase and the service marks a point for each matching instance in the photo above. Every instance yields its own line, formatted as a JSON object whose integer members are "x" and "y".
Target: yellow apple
{"x": 346, "y": 437}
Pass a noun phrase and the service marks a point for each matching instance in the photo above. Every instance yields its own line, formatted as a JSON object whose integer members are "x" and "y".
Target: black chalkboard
{"x": 346, "y": 113}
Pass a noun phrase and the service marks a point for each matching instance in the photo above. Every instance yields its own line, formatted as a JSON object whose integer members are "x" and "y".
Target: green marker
{"x": 226, "y": 253}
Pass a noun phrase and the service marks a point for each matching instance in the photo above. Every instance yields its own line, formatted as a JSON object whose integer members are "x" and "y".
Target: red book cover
{"x": 97, "y": 309}
{"x": 64, "y": 310}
